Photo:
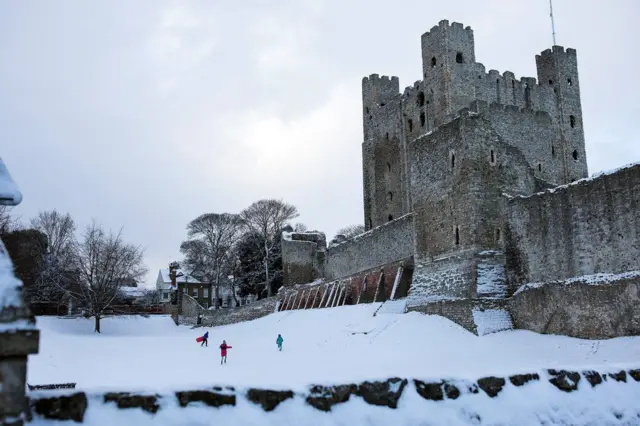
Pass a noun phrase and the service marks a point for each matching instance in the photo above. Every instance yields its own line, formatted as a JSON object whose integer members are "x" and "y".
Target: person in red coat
{"x": 223, "y": 352}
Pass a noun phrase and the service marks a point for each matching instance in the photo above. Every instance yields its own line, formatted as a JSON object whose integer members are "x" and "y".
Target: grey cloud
{"x": 146, "y": 114}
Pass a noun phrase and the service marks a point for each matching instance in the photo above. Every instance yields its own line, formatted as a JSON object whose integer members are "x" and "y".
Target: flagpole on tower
{"x": 553, "y": 26}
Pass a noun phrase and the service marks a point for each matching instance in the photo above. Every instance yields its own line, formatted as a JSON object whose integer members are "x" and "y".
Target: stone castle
{"x": 478, "y": 205}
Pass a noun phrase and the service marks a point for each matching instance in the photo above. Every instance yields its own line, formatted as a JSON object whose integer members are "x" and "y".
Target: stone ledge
{"x": 19, "y": 342}
{"x": 56, "y": 405}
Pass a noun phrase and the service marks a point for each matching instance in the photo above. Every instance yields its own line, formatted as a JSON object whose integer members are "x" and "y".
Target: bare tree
{"x": 208, "y": 250}
{"x": 300, "y": 227}
{"x": 103, "y": 262}
{"x": 266, "y": 218}
{"x": 59, "y": 255}
{"x": 351, "y": 231}
{"x": 8, "y": 223}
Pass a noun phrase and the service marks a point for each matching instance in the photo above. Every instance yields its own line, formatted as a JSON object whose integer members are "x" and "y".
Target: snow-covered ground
{"x": 321, "y": 346}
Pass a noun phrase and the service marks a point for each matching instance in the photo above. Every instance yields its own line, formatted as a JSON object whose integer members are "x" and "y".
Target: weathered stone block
{"x": 212, "y": 399}
{"x": 430, "y": 391}
{"x": 566, "y": 381}
{"x": 620, "y": 376}
{"x": 491, "y": 385}
{"x": 521, "y": 379}
{"x": 63, "y": 407}
{"x": 268, "y": 399}
{"x": 451, "y": 391}
{"x": 593, "y": 377}
{"x": 148, "y": 403}
{"x": 324, "y": 397}
{"x": 385, "y": 393}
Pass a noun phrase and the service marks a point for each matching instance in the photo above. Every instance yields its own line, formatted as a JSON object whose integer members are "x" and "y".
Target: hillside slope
{"x": 336, "y": 345}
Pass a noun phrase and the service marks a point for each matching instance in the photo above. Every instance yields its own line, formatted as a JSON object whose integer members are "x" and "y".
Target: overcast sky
{"x": 145, "y": 114}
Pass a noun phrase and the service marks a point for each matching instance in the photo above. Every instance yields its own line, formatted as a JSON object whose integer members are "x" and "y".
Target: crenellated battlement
{"x": 443, "y": 25}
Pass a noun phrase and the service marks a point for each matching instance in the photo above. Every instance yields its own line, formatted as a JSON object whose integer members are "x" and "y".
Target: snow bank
{"x": 322, "y": 346}
{"x": 542, "y": 397}
{"x": 595, "y": 279}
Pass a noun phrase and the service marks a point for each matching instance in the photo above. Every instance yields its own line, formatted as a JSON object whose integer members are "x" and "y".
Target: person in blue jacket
{"x": 205, "y": 339}
{"x": 279, "y": 341}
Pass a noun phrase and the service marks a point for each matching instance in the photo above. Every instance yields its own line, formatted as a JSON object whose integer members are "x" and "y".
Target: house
{"x": 173, "y": 278}
{"x": 203, "y": 292}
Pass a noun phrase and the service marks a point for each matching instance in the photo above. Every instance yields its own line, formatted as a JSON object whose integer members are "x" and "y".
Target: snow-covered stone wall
{"x": 590, "y": 226}
{"x": 591, "y": 307}
{"x": 380, "y": 246}
{"x": 303, "y": 255}
{"x": 549, "y": 396}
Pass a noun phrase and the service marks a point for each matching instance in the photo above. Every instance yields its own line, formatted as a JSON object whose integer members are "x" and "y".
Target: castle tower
{"x": 383, "y": 153}
{"x": 559, "y": 69}
{"x": 448, "y": 56}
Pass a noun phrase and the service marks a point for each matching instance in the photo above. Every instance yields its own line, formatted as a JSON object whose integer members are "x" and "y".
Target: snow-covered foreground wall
{"x": 547, "y": 397}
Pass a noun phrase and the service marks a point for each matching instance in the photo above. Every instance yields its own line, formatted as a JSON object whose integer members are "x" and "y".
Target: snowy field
{"x": 321, "y": 346}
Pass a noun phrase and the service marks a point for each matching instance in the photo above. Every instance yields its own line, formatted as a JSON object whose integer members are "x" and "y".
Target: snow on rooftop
{"x": 185, "y": 277}
{"x": 9, "y": 192}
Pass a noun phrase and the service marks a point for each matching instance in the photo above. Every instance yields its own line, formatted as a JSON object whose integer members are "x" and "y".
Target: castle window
{"x": 539, "y": 167}
{"x": 513, "y": 84}
{"x": 551, "y": 82}
{"x": 386, "y": 135}
{"x": 410, "y": 123}
{"x": 390, "y": 217}
{"x": 453, "y": 160}
{"x": 572, "y": 121}
{"x": 382, "y": 104}
{"x": 498, "y": 234}
{"x": 370, "y": 223}
{"x": 569, "y": 82}
{"x": 457, "y": 236}
{"x": 575, "y": 154}
{"x": 367, "y": 110}
{"x": 422, "y": 119}
{"x": 389, "y": 167}
{"x": 390, "y": 195}
{"x": 493, "y": 157}
{"x": 433, "y": 62}
{"x": 459, "y": 58}
{"x": 553, "y": 151}
{"x": 421, "y": 99}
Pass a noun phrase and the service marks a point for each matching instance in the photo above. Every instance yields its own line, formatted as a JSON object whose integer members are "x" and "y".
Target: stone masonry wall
{"x": 459, "y": 311}
{"x": 591, "y": 226}
{"x": 302, "y": 256}
{"x": 595, "y": 307}
{"x": 458, "y": 175}
{"x": 447, "y": 277}
{"x": 213, "y": 318}
{"x": 380, "y": 246}
{"x": 375, "y": 285}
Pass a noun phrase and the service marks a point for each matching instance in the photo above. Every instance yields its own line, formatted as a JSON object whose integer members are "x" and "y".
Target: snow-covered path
{"x": 331, "y": 346}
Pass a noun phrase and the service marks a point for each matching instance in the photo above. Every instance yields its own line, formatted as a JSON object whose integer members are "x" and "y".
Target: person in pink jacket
{"x": 223, "y": 352}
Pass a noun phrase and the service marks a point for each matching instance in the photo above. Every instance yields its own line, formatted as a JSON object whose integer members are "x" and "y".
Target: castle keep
{"x": 478, "y": 205}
